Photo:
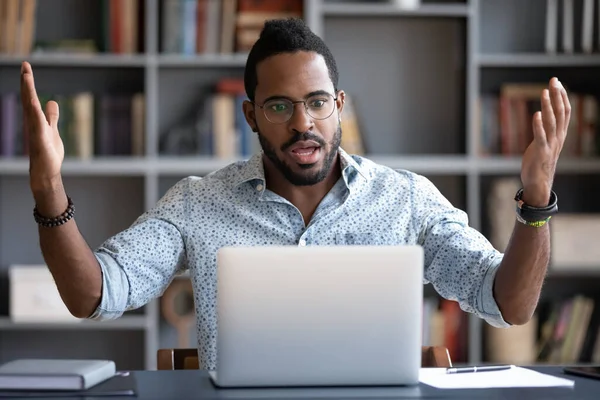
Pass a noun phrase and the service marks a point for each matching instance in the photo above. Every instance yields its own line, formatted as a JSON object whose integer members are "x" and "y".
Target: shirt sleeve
{"x": 140, "y": 262}
{"x": 460, "y": 262}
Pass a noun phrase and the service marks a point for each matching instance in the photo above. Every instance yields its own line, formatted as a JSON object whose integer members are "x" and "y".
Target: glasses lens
{"x": 278, "y": 111}
{"x": 318, "y": 107}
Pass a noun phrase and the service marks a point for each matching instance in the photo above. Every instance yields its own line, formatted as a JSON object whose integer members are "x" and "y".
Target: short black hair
{"x": 285, "y": 36}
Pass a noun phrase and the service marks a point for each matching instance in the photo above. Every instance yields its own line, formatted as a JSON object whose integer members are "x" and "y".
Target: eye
{"x": 318, "y": 103}
{"x": 278, "y": 107}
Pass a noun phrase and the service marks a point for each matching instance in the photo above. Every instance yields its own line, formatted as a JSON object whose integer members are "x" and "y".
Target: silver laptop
{"x": 319, "y": 316}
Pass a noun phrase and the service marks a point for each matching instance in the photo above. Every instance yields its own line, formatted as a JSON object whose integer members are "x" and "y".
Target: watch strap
{"x": 533, "y": 215}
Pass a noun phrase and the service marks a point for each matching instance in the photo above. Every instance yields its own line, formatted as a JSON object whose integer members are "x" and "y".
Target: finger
{"x": 539, "y": 136}
{"x": 557, "y": 105}
{"x": 548, "y": 119}
{"x": 52, "y": 113}
{"x": 567, "y": 105}
{"x": 29, "y": 98}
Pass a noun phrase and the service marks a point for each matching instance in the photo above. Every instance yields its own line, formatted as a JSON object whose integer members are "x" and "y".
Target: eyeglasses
{"x": 279, "y": 111}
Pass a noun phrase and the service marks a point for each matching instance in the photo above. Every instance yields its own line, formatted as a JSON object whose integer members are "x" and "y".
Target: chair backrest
{"x": 170, "y": 359}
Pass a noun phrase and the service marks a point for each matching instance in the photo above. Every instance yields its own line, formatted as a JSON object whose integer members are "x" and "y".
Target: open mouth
{"x": 306, "y": 155}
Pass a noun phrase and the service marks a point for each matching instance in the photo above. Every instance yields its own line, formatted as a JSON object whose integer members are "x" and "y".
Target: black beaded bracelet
{"x": 56, "y": 221}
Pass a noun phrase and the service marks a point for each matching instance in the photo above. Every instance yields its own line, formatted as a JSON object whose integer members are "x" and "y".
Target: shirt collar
{"x": 253, "y": 168}
{"x": 349, "y": 164}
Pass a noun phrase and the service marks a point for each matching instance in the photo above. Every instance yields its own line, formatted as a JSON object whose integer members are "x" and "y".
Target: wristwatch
{"x": 535, "y": 216}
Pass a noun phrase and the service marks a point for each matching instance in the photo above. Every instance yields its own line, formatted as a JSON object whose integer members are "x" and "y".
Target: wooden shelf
{"x": 204, "y": 60}
{"x": 425, "y": 164}
{"x": 389, "y": 10}
{"x": 433, "y": 164}
{"x": 165, "y": 165}
{"x": 110, "y": 166}
{"x": 75, "y": 60}
{"x": 124, "y": 323}
{"x": 125, "y": 166}
{"x": 538, "y": 60}
{"x": 512, "y": 164}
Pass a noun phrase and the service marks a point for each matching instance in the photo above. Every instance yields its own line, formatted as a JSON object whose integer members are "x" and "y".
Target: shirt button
{"x": 259, "y": 187}
{"x": 302, "y": 242}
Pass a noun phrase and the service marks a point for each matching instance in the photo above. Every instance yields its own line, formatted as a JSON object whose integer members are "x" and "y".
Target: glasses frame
{"x": 262, "y": 107}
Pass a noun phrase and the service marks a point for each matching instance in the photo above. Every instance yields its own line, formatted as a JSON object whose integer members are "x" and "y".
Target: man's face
{"x": 303, "y": 148}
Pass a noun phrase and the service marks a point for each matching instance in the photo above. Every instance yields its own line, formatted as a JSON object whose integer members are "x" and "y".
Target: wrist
{"x": 45, "y": 185}
{"x": 536, "y": 197}
{"x": 50, "y": 198}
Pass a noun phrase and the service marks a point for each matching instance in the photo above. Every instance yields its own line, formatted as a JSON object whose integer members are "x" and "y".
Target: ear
{"x": 341, "y": 99}
{"x": 250, "y": 114}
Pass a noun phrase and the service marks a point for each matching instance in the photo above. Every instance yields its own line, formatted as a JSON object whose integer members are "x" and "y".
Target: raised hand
{"x": 46, "y": 149}
{"x": 549, "y": 133}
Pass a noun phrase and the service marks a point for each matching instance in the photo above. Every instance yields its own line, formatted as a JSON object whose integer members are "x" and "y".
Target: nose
{"x": 300, "y": 121}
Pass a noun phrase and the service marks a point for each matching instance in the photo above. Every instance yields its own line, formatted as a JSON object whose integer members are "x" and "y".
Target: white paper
{"x": 509, "y": 378}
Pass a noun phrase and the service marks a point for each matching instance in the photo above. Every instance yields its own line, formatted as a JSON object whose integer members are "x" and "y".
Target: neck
{"x": 305, "y": 198}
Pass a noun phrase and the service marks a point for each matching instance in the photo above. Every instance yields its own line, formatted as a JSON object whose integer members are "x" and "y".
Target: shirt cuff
{"x": 489, "y": 307}
{"x": 115, "y": 289}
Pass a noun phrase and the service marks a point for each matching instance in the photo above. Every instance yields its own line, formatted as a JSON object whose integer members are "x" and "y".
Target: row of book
{"x": 122, "y": 29}
{"x": 564, "y": 18}
{"x": 219, "y": 26}
{"x": 17, "y": 26}
{"x": 89, "y": 124}
{"x": 187, "y": 26}
{"x": 445, "y": 324}
{"x": 562, "y": 331}
{"x": 113, "y": 124}
{"x": 505, "y": 121}
{"x": 217, "y": 127}
{"x": 123, "y": 26}
{"x": 570, "y": 332}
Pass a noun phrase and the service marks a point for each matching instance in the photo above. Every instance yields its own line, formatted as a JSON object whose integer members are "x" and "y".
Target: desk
{"x": 195, "y": 384}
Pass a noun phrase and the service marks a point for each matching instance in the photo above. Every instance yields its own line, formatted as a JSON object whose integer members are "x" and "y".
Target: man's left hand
{"x": 549, "y": 133}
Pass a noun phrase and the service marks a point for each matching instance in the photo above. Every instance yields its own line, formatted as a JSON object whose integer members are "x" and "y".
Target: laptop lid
{"x": 319, "y": 316}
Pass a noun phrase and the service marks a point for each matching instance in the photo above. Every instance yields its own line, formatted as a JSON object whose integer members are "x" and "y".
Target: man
{"x": 303, "y": 189}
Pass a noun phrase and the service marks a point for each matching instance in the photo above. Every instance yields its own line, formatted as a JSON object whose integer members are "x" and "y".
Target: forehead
{"x": 293, "y": 75}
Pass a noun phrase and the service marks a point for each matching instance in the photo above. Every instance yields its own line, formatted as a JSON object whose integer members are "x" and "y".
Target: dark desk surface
{"x": 195, "y": 384}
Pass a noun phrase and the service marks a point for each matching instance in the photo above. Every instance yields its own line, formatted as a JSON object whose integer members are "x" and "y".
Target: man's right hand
{"x": 73, "y": 265}
{"x": 46, "y": 149}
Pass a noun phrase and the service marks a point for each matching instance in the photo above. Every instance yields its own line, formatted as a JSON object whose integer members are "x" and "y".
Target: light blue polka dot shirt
{"x": 370, "y": 205}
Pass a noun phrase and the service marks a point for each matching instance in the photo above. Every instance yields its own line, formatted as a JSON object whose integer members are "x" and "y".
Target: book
{"x": 123, "y": 383}
{"x": 54, "y": 374}
{"x": 551, "y": 26}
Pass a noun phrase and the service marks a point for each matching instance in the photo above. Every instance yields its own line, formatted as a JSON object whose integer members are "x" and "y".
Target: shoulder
{"x": 193, "y": 192}
{"x": 219, "y": 182}
{"x": 401, "y": 178}
{"x": 403, "y": 186}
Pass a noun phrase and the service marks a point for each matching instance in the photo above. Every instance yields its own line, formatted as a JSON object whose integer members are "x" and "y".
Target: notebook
{"x": 509, "y": 378}
{"x": 121, "y": 384}
{"x": 54, "y": 374}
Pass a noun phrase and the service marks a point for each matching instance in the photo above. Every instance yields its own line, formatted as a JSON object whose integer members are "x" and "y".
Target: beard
{"x": 307, "y": 177}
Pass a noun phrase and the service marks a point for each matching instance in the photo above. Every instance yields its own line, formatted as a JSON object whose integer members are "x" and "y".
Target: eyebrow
{"x": 313, "y": 93}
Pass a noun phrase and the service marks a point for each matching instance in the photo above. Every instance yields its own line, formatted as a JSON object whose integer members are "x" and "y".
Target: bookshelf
{"x": 417, "y": 84}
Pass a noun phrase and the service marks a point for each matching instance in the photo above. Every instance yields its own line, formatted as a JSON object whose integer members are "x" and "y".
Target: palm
{"x": 46, "y": 149}
{"x": 549, "y": 133}
{"x": 49, "y": 146}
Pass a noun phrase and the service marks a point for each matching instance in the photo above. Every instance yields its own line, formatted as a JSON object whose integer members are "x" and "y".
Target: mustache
{"x": 301, "y": 137}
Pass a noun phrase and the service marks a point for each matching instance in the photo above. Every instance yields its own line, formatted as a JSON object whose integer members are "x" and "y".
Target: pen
{"x": 486, "y": 368}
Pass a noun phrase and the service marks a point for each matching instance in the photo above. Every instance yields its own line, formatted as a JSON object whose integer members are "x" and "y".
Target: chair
{"x": 170, "y": 359}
